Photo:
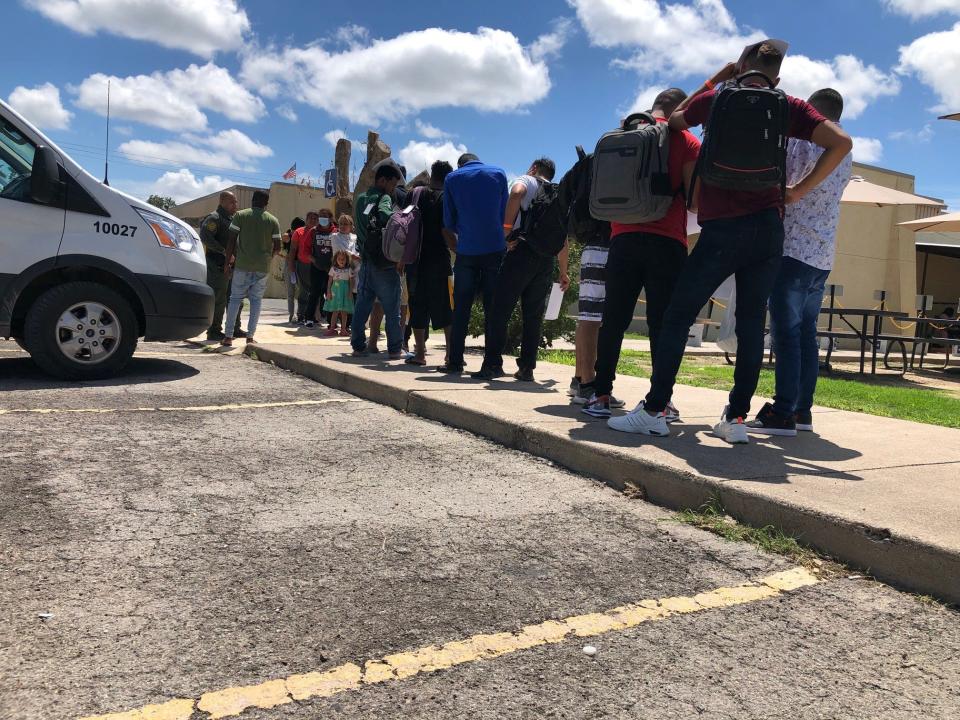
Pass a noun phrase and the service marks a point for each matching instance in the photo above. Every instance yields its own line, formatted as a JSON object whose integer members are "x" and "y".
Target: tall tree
{"x": 164, "y": 202}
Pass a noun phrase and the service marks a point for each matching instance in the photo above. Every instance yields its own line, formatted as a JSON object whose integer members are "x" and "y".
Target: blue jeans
{"x": 245, "y": 284}
{"x": 794, "y": 311}
{"x": 749, "y": 247}
{"x": 471, "y": 274}
{"x": 383, "y": 285}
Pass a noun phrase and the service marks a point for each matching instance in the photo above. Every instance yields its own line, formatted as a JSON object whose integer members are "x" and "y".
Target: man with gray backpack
{"x": 742, "y": 170}
{"x": 648, "y": 229}
{"x": 536, "y": 225}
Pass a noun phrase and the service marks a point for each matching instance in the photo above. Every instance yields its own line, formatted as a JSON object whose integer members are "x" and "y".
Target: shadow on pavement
{"x": 20, "y": 373}
{"x": 765, "y": 459}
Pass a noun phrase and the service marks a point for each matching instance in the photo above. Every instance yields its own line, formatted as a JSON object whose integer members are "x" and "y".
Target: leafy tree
{"x": 163, "y": 202}
{"x": 563, "y": 327}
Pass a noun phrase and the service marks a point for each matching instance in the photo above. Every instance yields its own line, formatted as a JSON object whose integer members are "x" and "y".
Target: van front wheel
{"x": 81, "y": 331}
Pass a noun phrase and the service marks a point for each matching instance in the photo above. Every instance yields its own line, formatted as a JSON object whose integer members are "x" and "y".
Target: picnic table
{"x": 924, "y": 338}
{"x": 869, "y": 332}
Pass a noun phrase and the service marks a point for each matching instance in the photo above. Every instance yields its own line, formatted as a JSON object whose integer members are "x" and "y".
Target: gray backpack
{"x": 630, "y": 179}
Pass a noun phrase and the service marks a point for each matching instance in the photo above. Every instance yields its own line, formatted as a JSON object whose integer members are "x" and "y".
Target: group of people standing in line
{"x": 778, "y": 243}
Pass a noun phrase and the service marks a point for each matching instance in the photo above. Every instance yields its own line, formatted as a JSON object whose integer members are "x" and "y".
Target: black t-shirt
{"x": 322, "y": 244}
{"x": 434, "y": 247}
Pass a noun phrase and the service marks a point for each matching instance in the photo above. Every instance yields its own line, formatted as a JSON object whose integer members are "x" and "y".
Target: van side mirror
{"x": 45, "y": 178}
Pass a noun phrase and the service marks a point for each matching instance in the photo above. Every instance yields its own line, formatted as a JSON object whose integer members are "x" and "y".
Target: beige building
{"x": 287, "y": 201}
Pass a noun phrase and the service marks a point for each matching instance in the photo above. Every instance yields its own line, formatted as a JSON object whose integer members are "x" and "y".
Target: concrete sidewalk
{"x": 877, "y": 493}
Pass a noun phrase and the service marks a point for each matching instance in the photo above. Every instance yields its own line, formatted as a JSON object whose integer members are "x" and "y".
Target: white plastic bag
{"x": 727, "y": 335}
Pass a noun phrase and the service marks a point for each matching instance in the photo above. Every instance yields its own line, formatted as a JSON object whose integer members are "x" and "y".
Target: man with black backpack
{"x": 379, "y": 278}
{"x": 536, "y": 226}
{"x": 644, "y": 256}
{"x": 742, "y": 171}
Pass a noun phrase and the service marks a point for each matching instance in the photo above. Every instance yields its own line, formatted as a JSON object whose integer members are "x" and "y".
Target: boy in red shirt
{"x": 647, "y": 257}
{"x": 742, "y": 235}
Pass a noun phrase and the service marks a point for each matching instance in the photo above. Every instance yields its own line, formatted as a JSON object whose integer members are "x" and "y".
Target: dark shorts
{"x": 430, "y": 297}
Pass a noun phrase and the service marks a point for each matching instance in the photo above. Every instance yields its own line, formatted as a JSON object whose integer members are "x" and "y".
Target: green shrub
{"x": 563, "y": 327}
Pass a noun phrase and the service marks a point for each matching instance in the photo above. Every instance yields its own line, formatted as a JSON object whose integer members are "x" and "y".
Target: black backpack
{"x": 372, "y": 250}
{"x": 575, "y": 195}
{"x": 745, "y": 139}
{"x": 544, "y": 224}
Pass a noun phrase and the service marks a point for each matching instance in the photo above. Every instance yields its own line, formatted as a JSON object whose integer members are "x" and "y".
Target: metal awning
{"x": 946, "y": 244}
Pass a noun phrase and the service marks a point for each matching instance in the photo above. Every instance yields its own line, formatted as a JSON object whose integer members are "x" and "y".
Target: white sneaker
{"x": 732, "y": 431}
{"x": 671, "y": 413}
{"x": 640, "y": 422}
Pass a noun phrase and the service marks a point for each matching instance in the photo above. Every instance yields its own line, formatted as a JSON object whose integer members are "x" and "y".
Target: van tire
{"x": 41, "y": 336}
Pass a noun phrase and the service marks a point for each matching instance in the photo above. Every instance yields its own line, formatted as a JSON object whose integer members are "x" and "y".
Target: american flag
{"x": 291, "y": 174}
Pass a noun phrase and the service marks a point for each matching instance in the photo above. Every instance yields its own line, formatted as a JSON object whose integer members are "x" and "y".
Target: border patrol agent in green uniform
{"x": 215, "y": 233}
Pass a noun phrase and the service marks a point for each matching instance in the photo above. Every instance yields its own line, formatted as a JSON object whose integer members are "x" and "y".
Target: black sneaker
{"x": 487, "y": 373}
{"x": 770, "y": 423}
{"x": 804, "y": 420}
{"x": 524, "y": 375}
{"x": 240, "y": 333}
{"x": 449, "y": 369}
{"x": 215, "y": 336}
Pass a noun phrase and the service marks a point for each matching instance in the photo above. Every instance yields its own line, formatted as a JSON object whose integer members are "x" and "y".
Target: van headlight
{"x": 170, "y": 234}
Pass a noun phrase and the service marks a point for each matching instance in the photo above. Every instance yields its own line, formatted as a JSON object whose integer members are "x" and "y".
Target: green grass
{"x": 924, "y": 405}
{"x": 635, "y": 336}
{"x": 713, "y": 518}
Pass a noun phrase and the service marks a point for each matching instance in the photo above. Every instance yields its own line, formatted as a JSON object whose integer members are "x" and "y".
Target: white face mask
{"x": 323, "y": 222}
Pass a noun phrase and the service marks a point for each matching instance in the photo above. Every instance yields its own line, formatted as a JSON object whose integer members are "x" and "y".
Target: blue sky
{"x": 213, "y": 91}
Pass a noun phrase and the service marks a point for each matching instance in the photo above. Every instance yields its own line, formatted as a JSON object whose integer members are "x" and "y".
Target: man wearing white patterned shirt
{"x": 810, "y": 232}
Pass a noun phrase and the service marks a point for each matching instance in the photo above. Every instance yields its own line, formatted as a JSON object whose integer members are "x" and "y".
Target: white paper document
{"x": 555, "y": 303}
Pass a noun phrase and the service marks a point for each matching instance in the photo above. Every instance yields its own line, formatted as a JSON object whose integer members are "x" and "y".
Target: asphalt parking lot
{"x": 205, "y": 524}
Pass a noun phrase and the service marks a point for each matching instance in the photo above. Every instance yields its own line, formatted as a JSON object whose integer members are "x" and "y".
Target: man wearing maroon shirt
{"x": 645, "y": 257}
{"x": 742, "y": 235}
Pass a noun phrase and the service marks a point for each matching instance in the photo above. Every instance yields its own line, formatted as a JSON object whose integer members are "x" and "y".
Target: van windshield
{"x": 16, "y": 162}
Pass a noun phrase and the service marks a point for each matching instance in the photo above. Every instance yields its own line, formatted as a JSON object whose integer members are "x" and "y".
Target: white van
{"x": 86, "y": 270}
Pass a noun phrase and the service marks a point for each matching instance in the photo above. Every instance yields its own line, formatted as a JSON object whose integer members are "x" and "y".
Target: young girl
{"x": 340, "y": 289}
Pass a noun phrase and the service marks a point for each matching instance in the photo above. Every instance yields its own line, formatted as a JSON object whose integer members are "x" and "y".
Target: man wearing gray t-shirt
{"x": 525, "y": 276}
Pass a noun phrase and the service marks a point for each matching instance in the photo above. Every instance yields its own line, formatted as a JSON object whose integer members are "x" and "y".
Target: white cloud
{"x": 549, "y": 45}
{"x": 644, "y": 100}
{"x": 199, "y": 26}
{"x": 41, "y": 106}
{"x": 923, "y": 135}
{"x": 430, "y": 132}
{"x": 333, "y": 136}
{"x": 182, "y": 185}
{"x": 417, "y": 155}
{"x": 287, "y": 113}
{"x": 229, "y": 150}
{"x": 923, "y": 8}
{"x": 173, "y": 100}
{"x": 675, "y": 40}
{"x": 867, "y": 150}
{"x": 388, "y": 79}
{"x": 859, "y": 84}
{"x": 352, "y": 35}
{"x": 935, "y": 59}
{"x": 696, "y": 38}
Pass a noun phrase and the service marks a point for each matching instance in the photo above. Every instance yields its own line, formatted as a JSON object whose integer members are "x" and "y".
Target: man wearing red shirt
{"x": 646, "y": 257}
{"x": 300, "y": 260}
{"x": 742, "y": 235}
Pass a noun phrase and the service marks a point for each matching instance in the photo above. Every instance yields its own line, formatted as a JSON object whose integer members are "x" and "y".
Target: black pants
{"x": 637, "y": 261}
{"x": 527, "y": 277}
{"x": 303, "y": 297}
{"x": 318, "y": 290}
{"x": 749, "y": 247}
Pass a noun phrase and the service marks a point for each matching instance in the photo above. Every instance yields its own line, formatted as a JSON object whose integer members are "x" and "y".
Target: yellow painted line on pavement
{"x": 195, "y": 408}
{"x": 232, "y": 701}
